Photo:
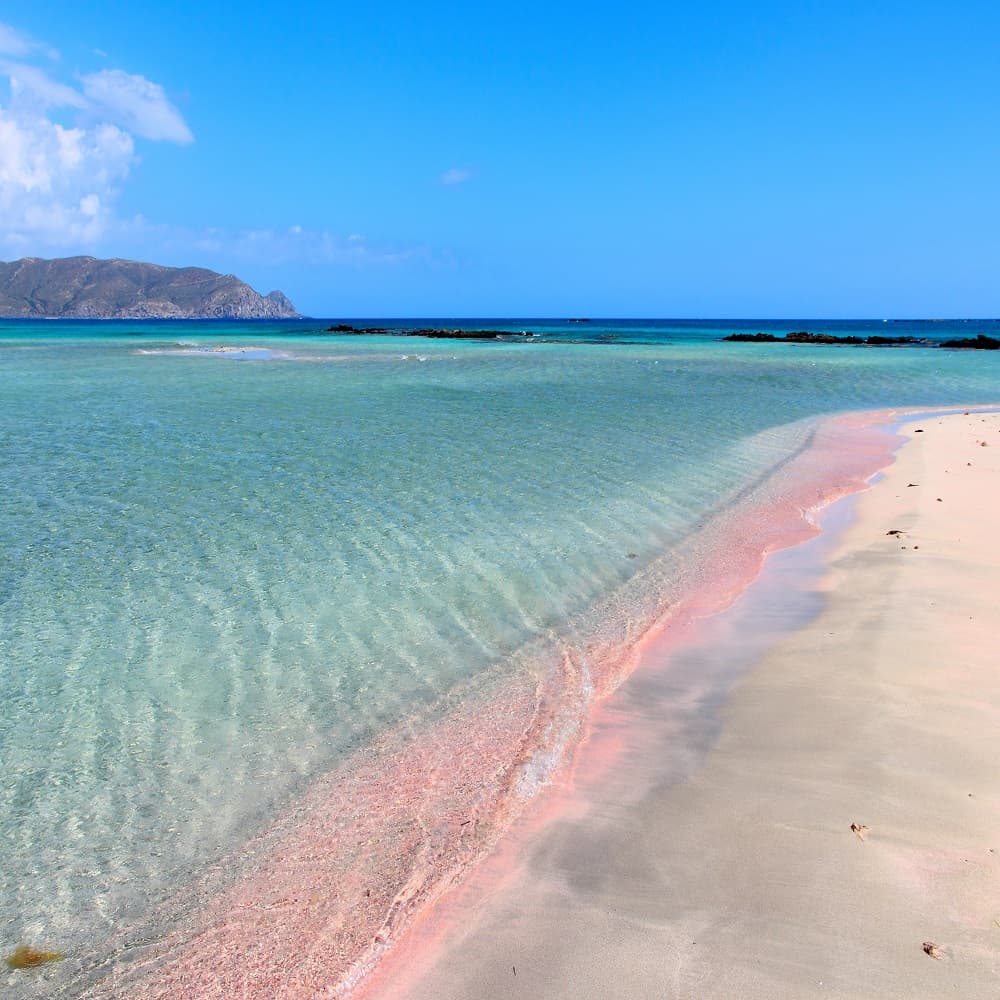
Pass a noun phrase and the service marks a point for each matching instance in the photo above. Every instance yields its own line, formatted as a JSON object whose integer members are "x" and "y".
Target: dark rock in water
{"x": 441, "y": 334}
{"x": 758, "y": 338}
{"x": 435, "y": 333}
{"x": 88, "y": 288}
{"x": 877, "y": 341}
{"x": 360, "y": 330}
{"x": 979, "y": 343}
{"x": 805, "y": 337}
{"x": 795, "y": 337}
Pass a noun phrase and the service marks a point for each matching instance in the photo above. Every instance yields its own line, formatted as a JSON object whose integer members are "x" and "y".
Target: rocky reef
{"x": 436, "y": 333}
{"x": 978, "y": 343}
{"x": 804, "y": 337}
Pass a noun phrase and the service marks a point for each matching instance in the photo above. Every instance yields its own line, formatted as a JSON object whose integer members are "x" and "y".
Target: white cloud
{"x": 59, "y": 182}
{"x": 16, "y": 43}
{"x": 30, "y": 85}
{"x": 67, "y": 145}
{"x": 455, "y": 175}
{"x": 138, "y": 104}
{"x": 56, "y": 183}
{"x": 13, "y": 43}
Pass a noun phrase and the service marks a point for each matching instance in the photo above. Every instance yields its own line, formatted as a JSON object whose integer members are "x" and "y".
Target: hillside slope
{"x": 88, "y": 288}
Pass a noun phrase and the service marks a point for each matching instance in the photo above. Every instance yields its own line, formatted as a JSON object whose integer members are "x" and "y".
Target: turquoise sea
{"x": 233, "y": 555}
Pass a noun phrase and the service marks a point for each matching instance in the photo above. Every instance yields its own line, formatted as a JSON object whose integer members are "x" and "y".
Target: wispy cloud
{"x": 138, "y": 104}
{"x": 294, "y": 244}
{"x": 29, "y": 84}
{"x": 455, "y": 175}
{"x": 13, "y": 43}
{"x": 16, "y": 43}
{"x": 59, "y": 182}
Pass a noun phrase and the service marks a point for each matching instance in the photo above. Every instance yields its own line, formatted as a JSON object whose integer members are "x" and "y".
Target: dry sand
{"x": 744, "y": 879}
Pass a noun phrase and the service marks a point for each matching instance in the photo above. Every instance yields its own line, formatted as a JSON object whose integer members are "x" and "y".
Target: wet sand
{"x": 705, "y": 849}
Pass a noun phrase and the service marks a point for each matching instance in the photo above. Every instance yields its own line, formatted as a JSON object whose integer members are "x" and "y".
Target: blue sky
{"x": 391, "y": 159}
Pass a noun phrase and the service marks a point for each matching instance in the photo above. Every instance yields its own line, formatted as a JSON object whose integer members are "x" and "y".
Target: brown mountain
{"x": 87, "y": 288}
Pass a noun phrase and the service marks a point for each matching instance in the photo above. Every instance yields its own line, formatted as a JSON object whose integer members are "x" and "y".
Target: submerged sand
{"x": 739, "y": 876}
{"x": 315, "y": 905}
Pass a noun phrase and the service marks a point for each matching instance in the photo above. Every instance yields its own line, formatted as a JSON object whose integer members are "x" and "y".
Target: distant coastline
{"x": 89, "y": 288}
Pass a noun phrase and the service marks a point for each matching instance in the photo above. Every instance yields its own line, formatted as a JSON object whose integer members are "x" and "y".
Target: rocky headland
{"x": 89, "y": 288}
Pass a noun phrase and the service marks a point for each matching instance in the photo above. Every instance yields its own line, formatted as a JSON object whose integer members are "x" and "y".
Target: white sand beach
{"x": 745, "y": 879}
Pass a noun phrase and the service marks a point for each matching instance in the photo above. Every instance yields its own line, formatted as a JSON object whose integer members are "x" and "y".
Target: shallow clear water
{"x": 222, "y": 571}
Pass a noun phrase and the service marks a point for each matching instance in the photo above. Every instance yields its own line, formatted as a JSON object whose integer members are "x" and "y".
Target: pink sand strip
{"x": 325, "y": 894}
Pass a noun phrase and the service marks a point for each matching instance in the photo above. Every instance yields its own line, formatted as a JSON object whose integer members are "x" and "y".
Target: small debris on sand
{"x": 896, "y": 531}
{"x": 930, "y": 948}
{"x": 26, "y": 957}
{"x": 859, "y": 830}
{"x": 913, "y": 484}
